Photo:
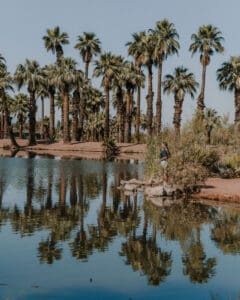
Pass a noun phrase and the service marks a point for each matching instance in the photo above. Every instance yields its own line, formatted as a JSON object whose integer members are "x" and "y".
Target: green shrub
{"x": 110, "y": 147}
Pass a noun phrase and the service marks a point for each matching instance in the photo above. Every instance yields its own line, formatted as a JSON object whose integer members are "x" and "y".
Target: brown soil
{"x": 90, "y": 150}
{"x": 220, "y": 189}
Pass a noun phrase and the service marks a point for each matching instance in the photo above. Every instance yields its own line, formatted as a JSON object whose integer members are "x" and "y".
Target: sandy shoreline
{"x": 215, "y": 189}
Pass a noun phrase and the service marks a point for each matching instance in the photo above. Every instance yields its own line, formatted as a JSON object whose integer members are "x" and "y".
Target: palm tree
{"x": 88, "y": 46}
{"x": 211, "y": 120}
{"x": 207, "y": 41}
{"x": 54, "y": 40}
{"x": 30, "y": 74}
{"x": 49, "y": 74}
{"x": 6, "y": 84}
{"x": 135, "y": 49}
{"x": 76, "y": 106}
{"x": 132, "y": 79}
{"x": 66, "y": 77}
{"x": 229, "y": 79}
{"x": 165, "y": 44}
{"x": 180, "y": 83}
{"x": 21, "y": 109}
{"x": 148, "y": 46}
{"x": 107, "y": 66}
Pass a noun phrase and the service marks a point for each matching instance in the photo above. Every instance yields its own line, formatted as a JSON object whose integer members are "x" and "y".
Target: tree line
{"x": 85, "y": 109}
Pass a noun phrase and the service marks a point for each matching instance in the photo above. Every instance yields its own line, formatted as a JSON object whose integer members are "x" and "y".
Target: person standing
{"x": 164, "y": 156}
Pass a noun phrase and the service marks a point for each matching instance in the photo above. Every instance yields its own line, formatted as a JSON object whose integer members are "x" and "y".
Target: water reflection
{"x": 80, "y": 210}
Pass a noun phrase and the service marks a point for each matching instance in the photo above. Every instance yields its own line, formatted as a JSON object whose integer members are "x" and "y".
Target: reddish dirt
{"x": 220, "y": 189}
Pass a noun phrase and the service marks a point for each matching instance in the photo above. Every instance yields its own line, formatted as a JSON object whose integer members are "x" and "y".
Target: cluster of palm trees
{"x": 71, "y": 89}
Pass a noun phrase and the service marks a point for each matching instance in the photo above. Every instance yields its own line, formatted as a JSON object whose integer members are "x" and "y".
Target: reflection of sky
{"x": 69, "y": 278}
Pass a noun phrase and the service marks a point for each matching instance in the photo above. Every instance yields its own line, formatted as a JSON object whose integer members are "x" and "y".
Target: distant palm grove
{"x": 85, "y": 109}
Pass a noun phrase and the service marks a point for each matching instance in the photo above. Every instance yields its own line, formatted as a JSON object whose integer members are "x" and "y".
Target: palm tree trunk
{"x": 137, "y": 133}
{"x": 237, "y": 109}
{"x": 127, "y": 123}
{"x": 119, "y": 96}
{"x": 59, "y": 53}
{"x": 9, "y": 125}
{"x": 20, "y": 121}
{"x": 76, "y": 99}
{"x": 177, "y": 116}
{"x": 52, "y": 113}
{"x": 122, "y": 118}
{"x": 5, "y": 126}
{"x": 159, "y": 99}
{"x": 86, "y": 70}
{"x": 42, "y": 118}
{"x": 130, "y": 117}
{"x": 32, "y": 118}
{"x": 82, "y": 101}
{"x": 200, "y": 101}
{"x": 66, "y": 135}
{"x": 149, "y": 101}
{"x": 208, "y": 133}
{"x": 106, "y": 124}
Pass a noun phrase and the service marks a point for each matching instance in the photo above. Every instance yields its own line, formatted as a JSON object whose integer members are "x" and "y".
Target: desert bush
{"x": 190, "y": 162}
{"x": 110, "y": 147}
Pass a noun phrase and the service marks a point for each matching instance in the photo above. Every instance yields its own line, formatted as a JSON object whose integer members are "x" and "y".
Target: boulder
{"x": 130, "y": 187}
{"x": 155, "y": 191}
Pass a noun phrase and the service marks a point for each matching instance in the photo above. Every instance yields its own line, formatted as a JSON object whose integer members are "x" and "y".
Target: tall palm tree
{"x": 5, "y": 85}
{"x": 211, "y": 120}
{"x": 135, "y": 49}
{"x": 21, "y": 109}
{"x": 76, "y": 106}
{"x": 207, "y": 41}
{"x": 54, "y": 40}
{"x": 179, "y": 84}
{"x": 66, "y": 77}
{"x": 228, "y": 76}
{"x": 166, "y": 43}
{"x": 30, "y": 74}
{"x": 107, "y": 66}
{"x": 132, "y": 79}
{"x": 148, "y": 46}
{"x": 88, "y": 46}
{"x": 49, "y": 75}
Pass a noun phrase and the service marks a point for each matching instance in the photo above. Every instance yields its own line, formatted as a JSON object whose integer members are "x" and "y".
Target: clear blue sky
{"x": 24, "y": 22}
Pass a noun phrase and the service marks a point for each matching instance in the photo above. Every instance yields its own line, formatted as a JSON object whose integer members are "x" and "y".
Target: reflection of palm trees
{"x": 144, "y": 255}
{"x": 226, "y": 232}
{"x": 81, "y": 247}
{"x": 182, "y": 222}
{"x": 196, "y": 264}
{"x": 48, "y": 251}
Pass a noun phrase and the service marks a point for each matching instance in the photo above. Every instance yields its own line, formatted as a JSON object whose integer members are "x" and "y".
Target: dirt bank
{"x": 90, "y": 150}
{"x": 220, "y": 189}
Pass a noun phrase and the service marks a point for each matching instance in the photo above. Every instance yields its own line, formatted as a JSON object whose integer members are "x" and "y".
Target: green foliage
{"x": 110, "y": 146}
{"x": 190, "y": 161}
{"x": 233, "y": 161}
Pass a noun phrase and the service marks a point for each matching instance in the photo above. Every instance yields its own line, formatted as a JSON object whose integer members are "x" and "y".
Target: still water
{"x": 67, "y": 232}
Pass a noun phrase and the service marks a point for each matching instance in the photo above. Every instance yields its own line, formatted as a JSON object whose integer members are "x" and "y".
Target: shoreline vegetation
{"x": 108, "y": 121}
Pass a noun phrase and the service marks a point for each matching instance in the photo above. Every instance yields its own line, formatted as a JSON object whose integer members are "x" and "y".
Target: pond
{"x": 68, "y": 232}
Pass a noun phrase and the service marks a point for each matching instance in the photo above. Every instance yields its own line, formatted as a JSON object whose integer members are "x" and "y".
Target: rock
{"x": 169, "y": 191}
{"x": 155, "y": 191}
{"x": 130, "y": 187}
